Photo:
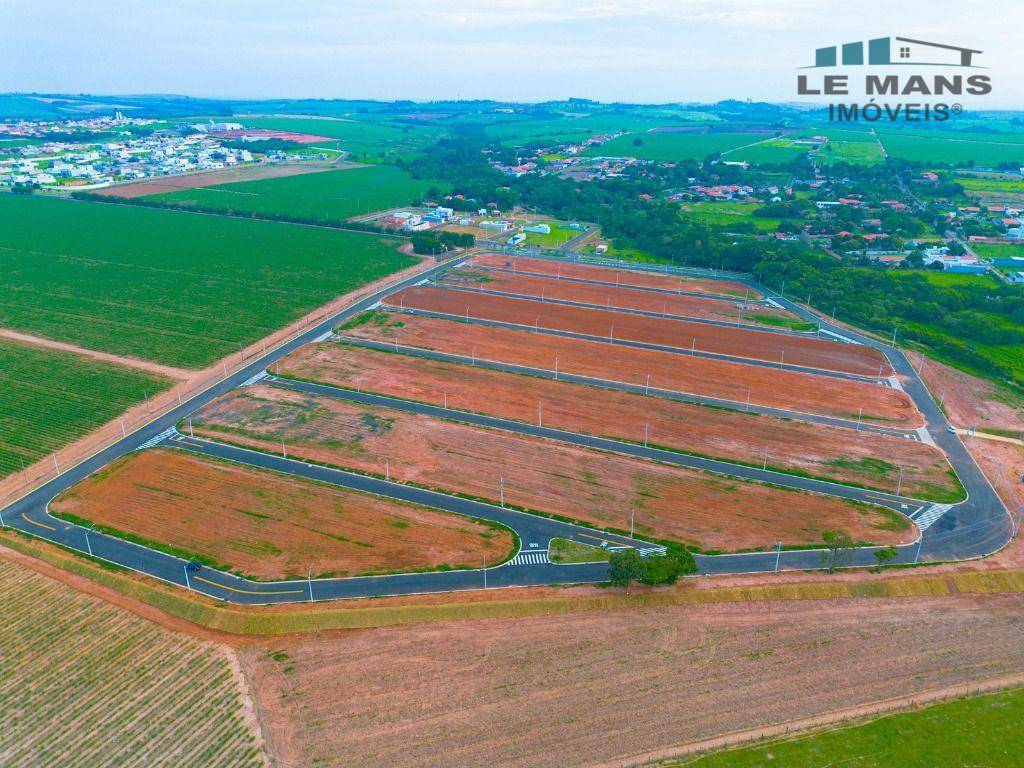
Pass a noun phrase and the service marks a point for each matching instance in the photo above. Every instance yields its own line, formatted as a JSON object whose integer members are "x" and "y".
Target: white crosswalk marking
{"x": 258, "y": 377}
{"x": 159, "y": 438}
{"x": 927, "y": 518}
{"x": 647, "y": 551}
{"x": 530, "y": 558}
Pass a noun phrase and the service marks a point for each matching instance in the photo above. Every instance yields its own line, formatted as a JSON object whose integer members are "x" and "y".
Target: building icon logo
{"x": 889, "y": 51}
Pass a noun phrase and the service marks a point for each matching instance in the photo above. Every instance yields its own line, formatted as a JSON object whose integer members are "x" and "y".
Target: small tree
{"x": 885, "y": 555}
{"x": 624, "y": 567}
{"x": 838, "y": 548}
{"x": 638, "y": 142}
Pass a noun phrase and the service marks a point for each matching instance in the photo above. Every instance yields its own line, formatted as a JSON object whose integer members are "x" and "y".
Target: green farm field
{"x": 668, "y": 147}
{"x": 568, "y": 128}
{"x": 50, "y": 398}
{"x": 94, "y": 686}
{"x": 982, "y": 149}
{"x": 332, "y": 196}
{"x": 779, "y": 150}
{"x": 978, "y": 731}
{"x": 729, "y": 214}
{"x": 182, "y": 289}
{"x": 371, "y": 141}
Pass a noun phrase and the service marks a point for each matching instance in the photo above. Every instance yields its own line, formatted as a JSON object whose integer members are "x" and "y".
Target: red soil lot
{"x": 620, "y": 276}
{"x": 832, "y": 453}
{"x": 271, "y": 526}
{"x": 805, "y": 393}
{"x": 681, "y": 334}
{"x": 612, "y": 296}
{"x": 709, "y": 510}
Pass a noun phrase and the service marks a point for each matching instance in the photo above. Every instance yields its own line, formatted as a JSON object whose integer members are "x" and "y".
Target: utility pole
{"x": 632, "y": 516}
{"x": 124, "y": 433}
{"x": 539, "y": 420}
{"x": 778, "y": 555}
{"x": 387, "y": 470}
{"x": 556, "y": 368}
{"x": 501, "y": 490}
{"x": 474, "y": 354}
{"x": 899, "y": 484}
{"x": 485, "y": 571}
{"x": 782, "y": 361}
{"x": 748, "y": 400}
{"x": 893, "y": 345}
{"x": 645, "y": 434}
{"x": 647, "y": 384}
{"x": 765, "y": 466}
{"x": 284, "y": 451}
{"x": 860, "y": 415}
{"x": 917, "y": 555}
{"x": 88, "y": 544}
{"x": 309, "y": 581}
{"x": 188, "y": 583}
{"x": 190, "y": 432}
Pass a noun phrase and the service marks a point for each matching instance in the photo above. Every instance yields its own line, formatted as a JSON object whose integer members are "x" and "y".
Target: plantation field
{"x": 567, "y": 129}
{"x": 982, "y": 150}
{"x": 975, "y": 731}
{"x": 177, "y": 288}
{"x": 49, "y": 398}
{"x": 674, "y": 146}
{"x": 332, "y": 196}
{"x": 371, "y": 141}
{"x": 85, "y": 679}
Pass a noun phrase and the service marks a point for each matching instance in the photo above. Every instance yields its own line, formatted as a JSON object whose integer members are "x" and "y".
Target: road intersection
{"x": 973, "y": 528}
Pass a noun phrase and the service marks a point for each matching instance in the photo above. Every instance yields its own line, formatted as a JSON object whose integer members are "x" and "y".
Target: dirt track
{"x": 273, "y": 527}
{"x": 583, "y": 689}
{"x": 711, "y": 511}
{"x": 620, "y": 276}
{"x": 713, "y": 378}
{"x": 622, "y": 297}
{"x": 838, "y": 454}
{"x": 681, "y": 334}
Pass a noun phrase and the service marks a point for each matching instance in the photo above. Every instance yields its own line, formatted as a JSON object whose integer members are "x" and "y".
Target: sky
{"x": 515, "y": 50}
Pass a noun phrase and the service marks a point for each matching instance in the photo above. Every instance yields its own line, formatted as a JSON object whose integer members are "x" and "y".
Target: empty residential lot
{"x": 616, "y": 276}
{"x": 624, "y": 297}
{"x": 822, "y": 395}
{"x": 703, "y": 509}
{"x": 845, "y": 455}
{"x": 680, "y": 334}
{"x": 272, "y": 526}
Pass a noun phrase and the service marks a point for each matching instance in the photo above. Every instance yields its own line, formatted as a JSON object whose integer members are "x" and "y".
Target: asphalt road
{"x": 973, "y": 528}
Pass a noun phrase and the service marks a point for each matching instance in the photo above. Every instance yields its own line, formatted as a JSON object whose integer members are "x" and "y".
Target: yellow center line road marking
{"x": 36, "y": 522}
{"x": 251, "y": 591}
{"x": 610, "y": 541}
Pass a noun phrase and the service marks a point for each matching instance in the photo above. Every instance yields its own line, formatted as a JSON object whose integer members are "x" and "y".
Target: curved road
{"x": 976, "y": 527}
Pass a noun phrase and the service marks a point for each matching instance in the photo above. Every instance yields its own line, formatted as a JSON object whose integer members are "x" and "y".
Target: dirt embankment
{"x": 623, "y": 297}
{"x": 805, "y": 393}
{"x": 763, "y": 346}
{"x": 616, "y": 276}
{"x": 711, "y": 511}
{"x": 839, "y": 454}
{"x": 274, "y": 527}
{"x": 489, "y": 692}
